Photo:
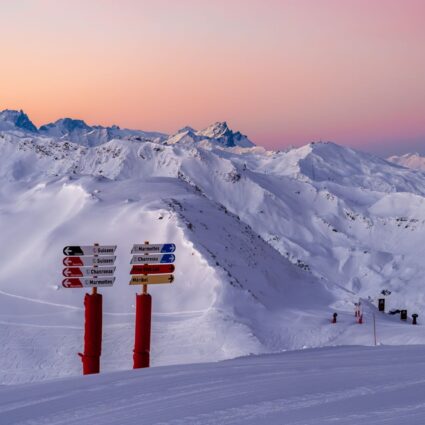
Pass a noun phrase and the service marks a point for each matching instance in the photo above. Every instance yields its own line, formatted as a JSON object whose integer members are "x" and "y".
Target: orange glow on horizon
{"x": 283, "y": 72}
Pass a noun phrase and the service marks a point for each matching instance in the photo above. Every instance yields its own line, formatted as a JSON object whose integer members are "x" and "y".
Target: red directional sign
{"x": 104, "y": 260}
{"x": 80, "y": 283}
{"x": 88, "y": 271}
{"x": 152, "y": 269}
{"x": 92, "y": 264}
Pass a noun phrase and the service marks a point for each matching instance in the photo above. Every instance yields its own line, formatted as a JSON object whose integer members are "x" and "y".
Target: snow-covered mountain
{"x": 71, "y": 130}
{"x": 269, "y": 245}
{"x": 218, "y": 133}
{"x": 78, "y": 131}
{"x": 410, "y": 160}
{"x": 16, "y": 120}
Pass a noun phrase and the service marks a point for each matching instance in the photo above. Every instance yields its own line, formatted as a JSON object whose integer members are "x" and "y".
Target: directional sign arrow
{"x": 145, "y": 259}
{"x": 153, "y": 248}
{"x": 89, "y": 250}
{"x": 152, "y": 269}
{"x": 80, "y": 283}
{"x": 72, "y": 283}
{"x": 145, "y": 280}
{"x": 103, "y": 260}
{"x": 88, "y": 271}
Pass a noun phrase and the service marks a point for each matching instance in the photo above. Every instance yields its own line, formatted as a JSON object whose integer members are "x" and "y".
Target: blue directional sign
{"x": 153, "y": 248}
{"x": 153, "y": 259}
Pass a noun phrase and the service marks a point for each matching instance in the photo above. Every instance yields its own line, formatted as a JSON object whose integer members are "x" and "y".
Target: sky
{"x": 284, "y": 72}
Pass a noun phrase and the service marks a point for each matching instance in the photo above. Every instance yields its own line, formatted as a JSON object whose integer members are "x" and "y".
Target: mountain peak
{"x": 216, "y": 130}
{"x": 17, "y": 119}
{"x": 221, "y": 132}
{"x": 186, "y": 129}
{"x": 66, "y": 125}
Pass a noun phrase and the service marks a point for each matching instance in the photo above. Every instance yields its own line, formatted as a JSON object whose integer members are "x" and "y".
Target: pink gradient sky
{"x": 284, "y": 72}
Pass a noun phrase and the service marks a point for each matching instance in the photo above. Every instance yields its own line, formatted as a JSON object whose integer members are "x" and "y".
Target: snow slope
{"x": 345, "y": 385}
{"x": 269, "y": 245}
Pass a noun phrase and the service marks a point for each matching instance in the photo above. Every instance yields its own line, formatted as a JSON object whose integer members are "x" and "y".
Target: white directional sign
{"x": 89, "y": 265}
{"x": 164, "y": 248}
{"x": 89, "y": 250}
{"x": 153, "y": 259}
{"x": 73, "y": 282}
{"x": 103, "y": 260}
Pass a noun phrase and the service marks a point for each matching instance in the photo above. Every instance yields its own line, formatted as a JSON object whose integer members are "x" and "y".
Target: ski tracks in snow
{"x": 342, "y": 385}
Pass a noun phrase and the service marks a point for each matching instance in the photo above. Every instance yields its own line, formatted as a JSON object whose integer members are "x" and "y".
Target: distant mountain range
{"x": 77, "y": 131}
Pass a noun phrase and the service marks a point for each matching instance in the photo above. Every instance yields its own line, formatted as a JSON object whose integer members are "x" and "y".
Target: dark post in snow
{"x": 403, "y": 315}
{"x": 414, "y": 317}
{"x": 381, "y": 304}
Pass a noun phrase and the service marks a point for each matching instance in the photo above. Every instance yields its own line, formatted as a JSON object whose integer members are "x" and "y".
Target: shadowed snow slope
{"x": 269, "y": 244}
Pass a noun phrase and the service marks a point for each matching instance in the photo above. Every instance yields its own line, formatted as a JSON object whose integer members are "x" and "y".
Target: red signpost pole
{"x": 142, "y": 341}
{"x": 92, "y": 333}
{"x": 141, "y": 272}
{"x": 82, "y": 269}
{"x": 142, "y": 337}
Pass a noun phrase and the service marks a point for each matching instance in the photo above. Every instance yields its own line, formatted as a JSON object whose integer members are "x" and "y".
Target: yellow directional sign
{"x": 151, "y": 279}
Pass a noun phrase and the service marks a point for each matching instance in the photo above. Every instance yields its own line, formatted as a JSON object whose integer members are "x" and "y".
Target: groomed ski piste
{"x": 324, "y": 386}
{"x": 269, "y": 246}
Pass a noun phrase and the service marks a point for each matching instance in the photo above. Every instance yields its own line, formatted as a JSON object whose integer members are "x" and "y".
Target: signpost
{"x": 88, "y": 271}
{"x": 152, "y": 269}
{"x": 103, "y": 260}
{"x": 90, "y": 266}
{"x": 148, "y": 269}
{"x": 87, "y": 282}
{"x": 149, "y": 280}
{"x": 162, "y": 259}
{"x": 153, "y": 248}
{"x": 90, "y": 250}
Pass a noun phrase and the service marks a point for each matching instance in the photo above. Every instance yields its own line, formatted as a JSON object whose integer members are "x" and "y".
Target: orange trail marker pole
{"x": 142, "y": 340}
